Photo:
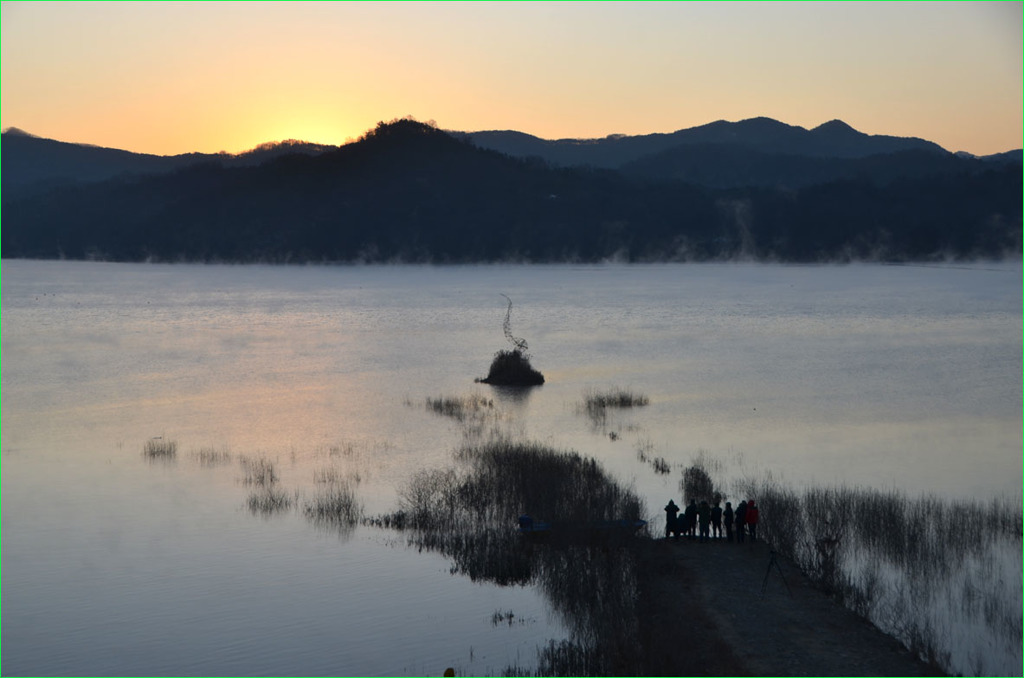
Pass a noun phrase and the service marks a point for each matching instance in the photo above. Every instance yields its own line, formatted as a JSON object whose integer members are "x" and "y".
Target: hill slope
{"x": 32, "y": 164}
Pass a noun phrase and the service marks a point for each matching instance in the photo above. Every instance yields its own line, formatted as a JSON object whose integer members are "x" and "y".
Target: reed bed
{"x": 160, "y": 449}
{"x": 510, "y": 477}
{"x": 210, "y": 457}
{"x": 644, "y": 453}
{"x": 354, "y": 449}
{"x": 942, "y": 575}
{"x": 461, "y": 408}
{"x": 258, "y": 471}
{"x": 334, "y": 475}
{"x": 266, "y": 500}
{"x": 266, "y": 497}
{"x": 661, "y": 466}
{"x": 341, "y": 450}
{"x": 596, "y": 403}
{"x": 334, "y": 506}
{"x": 468, "y": 514}
{"x": 507, "y": 617}
{"x": 613, "y": 397}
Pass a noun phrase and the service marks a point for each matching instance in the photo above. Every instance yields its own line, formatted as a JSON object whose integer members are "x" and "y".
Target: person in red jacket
{"x": 752, "y": 520}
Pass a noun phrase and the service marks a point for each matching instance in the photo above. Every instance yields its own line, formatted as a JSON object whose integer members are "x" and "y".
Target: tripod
{"x": 773, "y": 561}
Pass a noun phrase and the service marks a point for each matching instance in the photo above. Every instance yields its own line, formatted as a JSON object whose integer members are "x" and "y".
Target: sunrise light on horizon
{"x": 171, "y": 78}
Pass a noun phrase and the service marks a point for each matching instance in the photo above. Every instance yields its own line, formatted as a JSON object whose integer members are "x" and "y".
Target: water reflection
{"x": 512, "y": 395}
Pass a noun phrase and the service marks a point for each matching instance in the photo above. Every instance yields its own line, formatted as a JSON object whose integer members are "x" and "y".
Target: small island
{"x": 512, "y": 367}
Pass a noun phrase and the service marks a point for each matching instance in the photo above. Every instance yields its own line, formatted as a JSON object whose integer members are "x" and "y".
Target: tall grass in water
{"x": 210, "y": 457}
{"x": 258, "y": 471}
{"x": 941, "y": 575}
{"x": 461, "y": 408}
{"x": 334, "y": 506}
{"x": 468, "y": 514}
{"x": 510, "y": 477}
{"x": 269, "y": 499}
{"x": 265, "y": 496}
{"x": 333, "y": 474}
{"x": 159, "y": 449}
{"x": 644, "y": 450}
{"x": 596, "y": 403}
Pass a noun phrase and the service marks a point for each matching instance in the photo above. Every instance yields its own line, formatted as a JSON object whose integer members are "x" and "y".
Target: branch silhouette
{"x": 519, "y": 344}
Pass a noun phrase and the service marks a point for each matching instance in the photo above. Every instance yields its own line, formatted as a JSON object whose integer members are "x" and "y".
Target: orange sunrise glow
{"x": 170, "y": 78}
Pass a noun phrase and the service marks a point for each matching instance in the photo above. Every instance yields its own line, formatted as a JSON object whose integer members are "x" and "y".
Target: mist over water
{"x": 881, "y": 376}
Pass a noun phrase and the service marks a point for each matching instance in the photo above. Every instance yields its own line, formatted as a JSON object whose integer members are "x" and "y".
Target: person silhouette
{"x": 716, "y": 520}
{"x": 741, "y": 521}
{"x": 752, "y": 516}
{"x": 727, "y": 518}
{"x": 704, "y": 515}
{"x": 690, "y": 519}
{"x": 671, "y": 510}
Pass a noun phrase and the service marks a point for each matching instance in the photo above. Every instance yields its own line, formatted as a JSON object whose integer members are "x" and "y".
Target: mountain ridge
{"x": 834, "y": 138}
{"x": 410, "y": 192}
{"x": 35, "y": 164}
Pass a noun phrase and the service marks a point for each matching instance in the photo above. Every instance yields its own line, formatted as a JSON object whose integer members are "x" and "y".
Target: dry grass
{"x": 334, "y": 475}
{"x": 210, "y": 457}
{"x": 468, "y": 513}
{"x": 596, "y": 403}
{"x": 461, "y": 408}
{"x": 335, "y": 506}
{"x": 160, "y": 449}
{"x": 266, "y": 500}
{"x": 258, "y": 471}
{"x": 614, "y": 397}
{"x": 921, "y": 568}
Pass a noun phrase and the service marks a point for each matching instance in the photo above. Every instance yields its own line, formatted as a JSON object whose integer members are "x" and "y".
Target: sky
{"x": 179, "y": 77}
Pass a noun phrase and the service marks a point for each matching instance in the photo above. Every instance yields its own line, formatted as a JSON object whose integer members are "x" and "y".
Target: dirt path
{"x": 706, "y": 615}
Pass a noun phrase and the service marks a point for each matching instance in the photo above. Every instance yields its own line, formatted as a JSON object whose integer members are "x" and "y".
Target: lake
{"x": 873, "y": 375}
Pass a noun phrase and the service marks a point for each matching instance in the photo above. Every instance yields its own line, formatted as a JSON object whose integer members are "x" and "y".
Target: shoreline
{"x": 703, "y": 613}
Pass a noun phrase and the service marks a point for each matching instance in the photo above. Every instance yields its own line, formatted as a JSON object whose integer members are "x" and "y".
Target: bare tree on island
{"x": 512, "y": 368}
{"x": 519, "y": 344}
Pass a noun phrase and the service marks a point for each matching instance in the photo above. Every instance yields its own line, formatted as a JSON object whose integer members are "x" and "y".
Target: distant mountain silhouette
{"x": 407, "y": 191}
{"x": 754, "y": 152}
{"x": 32, "y": 163}
{"x": 833, "y": 139}
{"x": 1007, "y": 157}
{"x": 15, "y": 132}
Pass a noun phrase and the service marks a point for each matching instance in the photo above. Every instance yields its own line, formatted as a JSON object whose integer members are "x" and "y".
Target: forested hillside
{"x": 410, "y": 192}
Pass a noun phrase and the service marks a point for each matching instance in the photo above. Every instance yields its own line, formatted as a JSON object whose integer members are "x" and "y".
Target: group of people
{"x": 706, "y": 522}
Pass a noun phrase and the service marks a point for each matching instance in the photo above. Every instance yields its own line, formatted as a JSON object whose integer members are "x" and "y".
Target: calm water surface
{"x": 884, "y": 376}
